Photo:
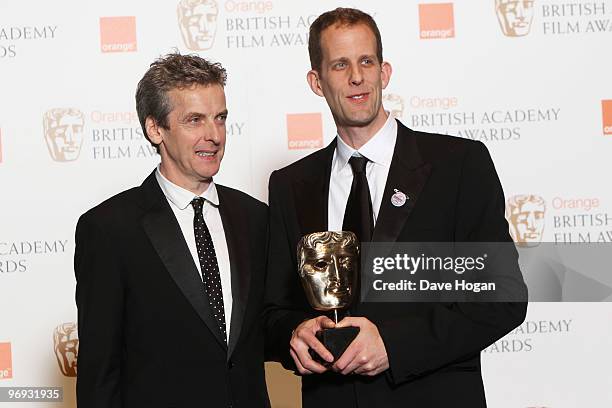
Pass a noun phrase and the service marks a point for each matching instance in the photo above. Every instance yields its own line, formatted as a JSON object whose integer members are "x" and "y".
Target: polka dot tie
{"x": 208, "y": 264}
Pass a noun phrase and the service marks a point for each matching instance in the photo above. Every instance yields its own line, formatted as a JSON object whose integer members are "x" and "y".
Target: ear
{"x": 313, "y": 80}
{"x": 154, "y": 131}
{"x": 385, "y": 74}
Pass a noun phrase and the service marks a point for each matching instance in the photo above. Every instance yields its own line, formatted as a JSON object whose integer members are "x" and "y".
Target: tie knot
{"x": 358, "y": 164}
{"x": 197, "y": 204}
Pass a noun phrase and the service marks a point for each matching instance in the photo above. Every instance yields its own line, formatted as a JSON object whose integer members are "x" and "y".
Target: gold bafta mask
{"x": 66, "y": 348}
{"x": 328, "y": 264}
{"x": 198, "y": 23}
{"x": 525, "y": 214}
{"x": 394, "y": 104}
{"x": 63, "y": 130}
{"x": 514, "y": 16}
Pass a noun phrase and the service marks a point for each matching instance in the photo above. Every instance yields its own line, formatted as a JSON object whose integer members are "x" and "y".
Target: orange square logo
{"x": 6, "y": 362}
{"x": 304, "y": 131}
{"x": 436, "y": 20}
{"x": 118, "y": 34}
{"x": 606, "y": 111}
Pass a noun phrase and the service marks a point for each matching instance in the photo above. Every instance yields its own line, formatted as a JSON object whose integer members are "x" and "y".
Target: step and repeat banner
{"x": 530, "y": 79}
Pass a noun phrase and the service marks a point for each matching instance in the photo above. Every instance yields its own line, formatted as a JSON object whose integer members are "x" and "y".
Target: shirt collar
{"x": 379, "y": 149}
{"x": 181, "y": 197}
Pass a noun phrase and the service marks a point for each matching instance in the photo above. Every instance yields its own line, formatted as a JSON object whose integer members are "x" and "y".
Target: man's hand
{"x": 303, "y": 339}
{"x": 367, "y": 354}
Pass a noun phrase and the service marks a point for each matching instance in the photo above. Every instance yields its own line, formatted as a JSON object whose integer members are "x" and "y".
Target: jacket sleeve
{"x": 284, "y": 304}
{"x": 448, "y": 334}
{"x": 99, "y": 299}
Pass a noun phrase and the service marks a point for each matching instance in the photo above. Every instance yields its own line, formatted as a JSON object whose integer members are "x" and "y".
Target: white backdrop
{"x": 539, "y": 101}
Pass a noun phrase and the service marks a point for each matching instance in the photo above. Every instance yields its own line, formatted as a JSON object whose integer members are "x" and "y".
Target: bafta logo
{"x": 63, "y": 130}
{"x": 198, "y": 23}
{"x": 394, "y": 104}
{"x": 514, "y": 16}
{"x": 525, "y": 214}
{"x": 66, "y": 348}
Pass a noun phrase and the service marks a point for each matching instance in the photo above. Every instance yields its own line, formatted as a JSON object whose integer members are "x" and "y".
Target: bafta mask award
{"x": 328, "y": 265}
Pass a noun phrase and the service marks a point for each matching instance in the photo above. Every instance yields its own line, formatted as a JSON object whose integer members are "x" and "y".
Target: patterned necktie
{"x": 209, "y": 265}
{"x": 358, "y": 216}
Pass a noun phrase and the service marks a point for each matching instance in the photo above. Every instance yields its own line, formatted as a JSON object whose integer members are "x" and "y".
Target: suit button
{"x": 230, "y": 364}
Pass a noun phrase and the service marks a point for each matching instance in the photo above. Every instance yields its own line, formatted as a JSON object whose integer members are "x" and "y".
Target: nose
{"x": 356, "y": 75}
{"x": 520, "y": 10}
{"x": 212, "y": 133}
{"x": 203, "y": 24}
{"x": 531, "y": 222}
{"x": 69, "y": 135}
{"x": 334, "y": 275}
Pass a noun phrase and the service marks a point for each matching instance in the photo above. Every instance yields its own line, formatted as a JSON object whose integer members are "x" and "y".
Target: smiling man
{"x": 385, "y": 183}
{"x": 170, "y": 274}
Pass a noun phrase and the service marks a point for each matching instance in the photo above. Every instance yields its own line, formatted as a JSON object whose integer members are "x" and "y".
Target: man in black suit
{"x": 170, "y": 274}
{"x": 420, "y": 188}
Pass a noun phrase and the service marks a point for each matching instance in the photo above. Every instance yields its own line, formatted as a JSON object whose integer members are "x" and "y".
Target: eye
{"x": 340, "y": 65}
{"x": 194, "y": 119}
{"x": 222, "y": 117}
{"x": 367, "y": 61}
{"x": 320, "y": 264}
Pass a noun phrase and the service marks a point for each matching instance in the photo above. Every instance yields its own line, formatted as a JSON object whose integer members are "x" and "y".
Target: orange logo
{"x": 6, "y": 362}
{"x": 118, "y": 34}
{"x": 606, "y": 109}
{"x": 304, "y": 131}
{"x": 66, "y": 348}
{"x": 436, "y": 20}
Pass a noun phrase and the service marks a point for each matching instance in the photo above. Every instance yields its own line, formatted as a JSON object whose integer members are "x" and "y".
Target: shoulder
{"x": 435, "y": 147}
{"x": 251, "y": 204}
{"x": 117, "y": 210}
{"x": 312, "y": 163}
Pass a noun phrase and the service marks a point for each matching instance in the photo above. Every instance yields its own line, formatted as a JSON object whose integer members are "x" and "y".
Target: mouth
{"x": 339, "y": 291}
{"x": 359, "y": 98}
{"x": 206, "y": 154}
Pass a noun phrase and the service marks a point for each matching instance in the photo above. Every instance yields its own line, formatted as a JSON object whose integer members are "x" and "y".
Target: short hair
{"x": 341, "y": 17}
{"x": 172, "y": 71}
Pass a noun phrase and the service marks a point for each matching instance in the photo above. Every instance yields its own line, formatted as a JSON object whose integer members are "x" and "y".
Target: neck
{"x": 357, "y": 136}
{"x": 197, "y": 187}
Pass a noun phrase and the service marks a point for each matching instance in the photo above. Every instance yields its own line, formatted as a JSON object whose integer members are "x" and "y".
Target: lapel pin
{"x": 398, "y": 199}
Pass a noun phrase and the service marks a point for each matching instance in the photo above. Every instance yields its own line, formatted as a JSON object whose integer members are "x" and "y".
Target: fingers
{"x": 303, "y": 339}
{"x": 366, "y": 355}
{"x": 298, "y": 364}
{"x": 352, "y": 321}
{"x": 325, "y": 322}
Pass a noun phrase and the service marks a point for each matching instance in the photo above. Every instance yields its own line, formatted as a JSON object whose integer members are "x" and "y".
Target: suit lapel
{"x": 407, "y": 174}
{"x": 235, "y": 226}
{"x": 311, "y": 193}
{"x": 163, "y": 230}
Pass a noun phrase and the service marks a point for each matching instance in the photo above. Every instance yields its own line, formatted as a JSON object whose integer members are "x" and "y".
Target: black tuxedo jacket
{"x": 147, "y": 335}
{"x": 433, "y": 349}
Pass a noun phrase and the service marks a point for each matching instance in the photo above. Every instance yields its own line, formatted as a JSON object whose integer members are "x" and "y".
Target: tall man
{"x": 420, "y": 355}
{"x": 170, "y": 274}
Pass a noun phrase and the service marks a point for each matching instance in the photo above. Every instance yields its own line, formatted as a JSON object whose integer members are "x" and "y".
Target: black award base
{"x": 336, "y": 341}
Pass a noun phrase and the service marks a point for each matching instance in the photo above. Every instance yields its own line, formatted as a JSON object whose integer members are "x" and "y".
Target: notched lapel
{"x": 163, "y": 230}
{"x": 407, "y": 174}
{"x": 311, "y": 193}
{"x": 235, "y": 227}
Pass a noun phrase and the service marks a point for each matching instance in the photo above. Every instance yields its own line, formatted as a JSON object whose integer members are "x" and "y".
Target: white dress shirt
{"x": 379, "y": 150}
{"x": 180, "y": 202}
